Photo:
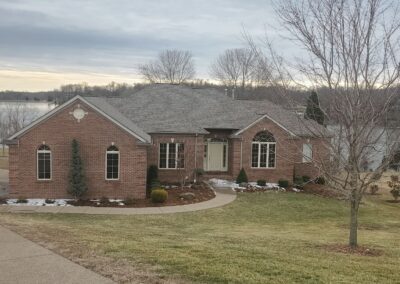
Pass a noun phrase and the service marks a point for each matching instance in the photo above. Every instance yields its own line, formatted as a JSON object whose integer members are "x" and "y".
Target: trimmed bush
{"x": 49, "y": 201}
{"x": 198, "y": 174}
{"x": 283, "y": 183}
{"x": 306, "y": 178}
{"x": 159, "y": 195}
{"x": 373, "y": 189}
{"x": 261, "y": 182}
{"x": 242, "y": 177}
{"x": 22, "y": 200}
{"x": 395, "y": 193}
{"x": 298, "y": 182}
{"x": 129, "y": 201}
{"x": 320, "y": 180}
{"x": 155, "y": 184}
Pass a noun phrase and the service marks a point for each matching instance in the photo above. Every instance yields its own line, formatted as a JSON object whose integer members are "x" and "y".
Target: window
{"x": 44, "y": 163}
{"x": 171, "y": 156}
{"x": 307, "y": 153}
{"x": 263, "y": 150}
{"x": 112, "y": 163}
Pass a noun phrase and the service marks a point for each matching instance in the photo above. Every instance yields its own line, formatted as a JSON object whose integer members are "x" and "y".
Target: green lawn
{"x": 260, "y": 238}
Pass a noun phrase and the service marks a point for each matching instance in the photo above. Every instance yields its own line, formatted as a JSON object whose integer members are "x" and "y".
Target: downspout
{"x": 195, "y": 152}
{"x": 241, "y": 153}
{"x": 195, "y": 158}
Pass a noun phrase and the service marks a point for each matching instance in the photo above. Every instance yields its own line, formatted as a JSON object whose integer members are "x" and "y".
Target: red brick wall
{"x": 289, "y": 154}
{"x": 191, "y": 163}
{"x": 320, "y": 153}
{"x": 285, "y": 152}
{"x": 94, "y": 134}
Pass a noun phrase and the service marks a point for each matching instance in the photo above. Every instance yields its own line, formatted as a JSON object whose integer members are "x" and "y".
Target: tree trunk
{"x": 353, "y": 223}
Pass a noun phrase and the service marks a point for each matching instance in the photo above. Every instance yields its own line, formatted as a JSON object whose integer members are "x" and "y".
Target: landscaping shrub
{"x": 394, "y": 184}
{"x": 3, "y": 200}
{"x": 395, "y": 193}
{"x": 306, "y": 178}
{"x": 373, "y": 189}
{"x": 261, "y": 182}
{"x": 49, "y": 201}
{"x": 22, "y": 200}
{"x": 152, "y": 176}
{"x": 320, "y": 180}
{"x": 159, "y": 195}
{"x": 242, "y": 177}
{"x": 283, "y": 183}
{"x": 198, "y": 174}
{"x": 298, "y": 182}
{"x": 155, "y": 184}
{"x": 104, "y": 200}
{"x": 77, "y": 184}
{"x": 129, "y": 201}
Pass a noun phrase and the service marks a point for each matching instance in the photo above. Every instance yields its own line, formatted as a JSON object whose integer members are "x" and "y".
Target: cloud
{"x": 113, "y": 37}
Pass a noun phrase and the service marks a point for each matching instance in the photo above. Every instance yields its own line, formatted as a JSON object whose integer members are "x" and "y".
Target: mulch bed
{"x": 201, "y": 193}
{"x": 360, "y": 250}
{"x": 321, "y": 190}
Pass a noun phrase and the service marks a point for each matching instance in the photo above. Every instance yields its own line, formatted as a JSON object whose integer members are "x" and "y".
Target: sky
{"x": 47, "y": 43}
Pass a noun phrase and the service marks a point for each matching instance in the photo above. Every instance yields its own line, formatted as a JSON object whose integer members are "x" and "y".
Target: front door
{"x": 217, "y": 156}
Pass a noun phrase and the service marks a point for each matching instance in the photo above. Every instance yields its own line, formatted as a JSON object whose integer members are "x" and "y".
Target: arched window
{"x": 263, "y": 151}
{"x": 43, "y": 162}
{"x": 112, "y": 163}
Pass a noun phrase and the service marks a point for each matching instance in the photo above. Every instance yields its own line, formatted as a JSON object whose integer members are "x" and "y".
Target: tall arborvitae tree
{"x": 77, "y": 185}
{"x": 314, "y": 110}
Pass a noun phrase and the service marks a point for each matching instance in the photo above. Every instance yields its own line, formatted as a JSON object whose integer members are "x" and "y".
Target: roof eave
{"x": 64, "y": 105}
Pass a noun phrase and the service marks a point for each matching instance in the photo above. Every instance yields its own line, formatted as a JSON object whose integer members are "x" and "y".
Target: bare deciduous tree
{"x": 171, "y": 66}
{"x": 13, "y": 118}
{"x": 235, "y": 68}
{"x": 353, "y": 51}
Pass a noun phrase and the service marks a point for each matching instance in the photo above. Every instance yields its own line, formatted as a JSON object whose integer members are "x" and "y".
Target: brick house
{"x": 177, "y": 128}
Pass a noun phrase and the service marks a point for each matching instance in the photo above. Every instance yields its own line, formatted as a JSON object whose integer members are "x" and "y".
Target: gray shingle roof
{"x": 162, "y": 108}
{"x": 118, "y": 116}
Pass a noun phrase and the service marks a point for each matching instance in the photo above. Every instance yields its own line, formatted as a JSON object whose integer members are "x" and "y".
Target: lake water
{"x": 33, "y": 109}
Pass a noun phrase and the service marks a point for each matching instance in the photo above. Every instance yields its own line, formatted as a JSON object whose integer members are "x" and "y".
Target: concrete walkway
{"x": 22, "y": 261}
{"x": 222, "y": 197}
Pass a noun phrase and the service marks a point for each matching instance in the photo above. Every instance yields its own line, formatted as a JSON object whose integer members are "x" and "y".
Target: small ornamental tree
{"x": 152, "y": 176}
{"x": 313, "y": 110}
{"x": 77, "y": 186}
{"x": 242, "y": 177}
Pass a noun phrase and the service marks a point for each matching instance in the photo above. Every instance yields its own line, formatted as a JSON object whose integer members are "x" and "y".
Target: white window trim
{"x": 167, "y": 156}
{"x": 259, "y": 155}
{"x": 119, "y": 165}
{"x": 37, "y": 164}
{"x": 307, "y": 159}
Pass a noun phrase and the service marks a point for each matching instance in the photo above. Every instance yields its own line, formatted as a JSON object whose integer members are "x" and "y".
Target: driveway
{"x": 22, "y": 261}
{"x": 3, "y": 182}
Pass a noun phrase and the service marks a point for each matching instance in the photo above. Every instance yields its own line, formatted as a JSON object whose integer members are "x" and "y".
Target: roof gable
{"x": 116, "y": 117}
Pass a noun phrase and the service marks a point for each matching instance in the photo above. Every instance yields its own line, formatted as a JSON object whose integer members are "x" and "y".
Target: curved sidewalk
{"x": 222, "y": 197}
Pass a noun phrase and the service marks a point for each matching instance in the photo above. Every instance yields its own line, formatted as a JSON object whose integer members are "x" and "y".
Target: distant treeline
{"x": 117, "y": 89}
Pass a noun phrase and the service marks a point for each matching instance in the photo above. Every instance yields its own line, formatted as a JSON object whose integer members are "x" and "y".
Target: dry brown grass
{"x": 260, "y": 238}
{"x": 79, "y": 251}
